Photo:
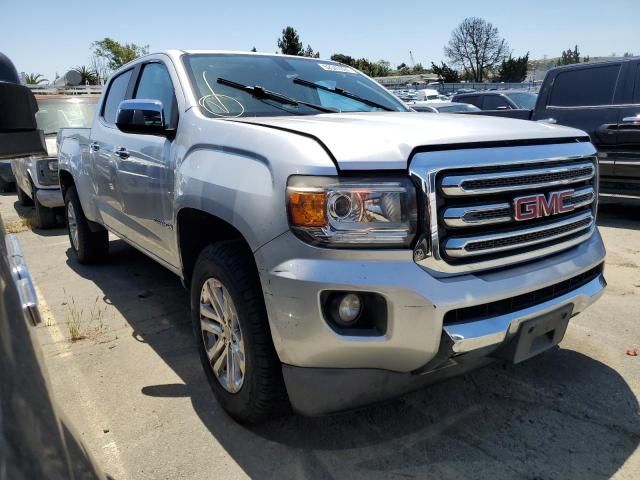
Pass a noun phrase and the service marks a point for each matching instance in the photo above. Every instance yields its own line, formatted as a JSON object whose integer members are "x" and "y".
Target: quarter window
{"x": 585, "y": 87}
{"x": 155, "y": 84}
{"x": 494, "y": 102}
{"x": 116, "y": 94}
{"x": 473, "y": 100}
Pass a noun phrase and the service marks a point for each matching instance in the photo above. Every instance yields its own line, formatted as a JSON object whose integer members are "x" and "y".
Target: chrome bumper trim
{"x": 471, "y": 336}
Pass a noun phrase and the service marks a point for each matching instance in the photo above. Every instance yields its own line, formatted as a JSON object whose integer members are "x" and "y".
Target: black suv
{"x": 499, "y": 100}
{"x": 601, "y": 98}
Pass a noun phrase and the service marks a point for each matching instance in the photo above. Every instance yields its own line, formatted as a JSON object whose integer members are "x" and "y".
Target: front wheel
{"x": 232, "y": 331}
{"x": 88, "y": 246}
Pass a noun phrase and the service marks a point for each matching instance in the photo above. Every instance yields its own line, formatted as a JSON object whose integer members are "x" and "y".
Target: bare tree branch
{"x": 476, "y": 46}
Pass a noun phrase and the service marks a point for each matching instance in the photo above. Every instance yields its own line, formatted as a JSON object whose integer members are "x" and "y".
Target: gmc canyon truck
{"x": 339, "y": 249}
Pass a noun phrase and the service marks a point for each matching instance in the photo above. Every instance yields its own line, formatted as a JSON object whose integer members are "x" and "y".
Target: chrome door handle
{"x": 94, "y": 147}
{"x": 122, "y": 152}
{"x": 634, "y": 120}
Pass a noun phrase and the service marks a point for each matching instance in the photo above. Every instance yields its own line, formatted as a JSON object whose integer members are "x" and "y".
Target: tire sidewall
{"x": 237, "y": 404}
{"x": 69, "y": 198}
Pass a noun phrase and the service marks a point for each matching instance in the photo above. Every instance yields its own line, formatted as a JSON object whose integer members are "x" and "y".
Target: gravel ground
{"x": 134, "y": 390}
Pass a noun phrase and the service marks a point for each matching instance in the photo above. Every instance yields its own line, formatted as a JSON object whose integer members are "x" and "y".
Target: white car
{"x": 36, "y": 178}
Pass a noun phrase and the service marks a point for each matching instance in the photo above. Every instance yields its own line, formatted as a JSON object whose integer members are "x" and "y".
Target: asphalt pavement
{"x": 133, "y": 387}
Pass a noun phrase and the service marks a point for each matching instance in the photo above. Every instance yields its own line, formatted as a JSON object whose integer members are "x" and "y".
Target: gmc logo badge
{"x": 536, "y": 206}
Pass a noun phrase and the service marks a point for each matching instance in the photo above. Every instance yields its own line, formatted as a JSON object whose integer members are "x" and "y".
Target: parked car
{"x": 37, "y": 177}
{"x": 498, "y": 99}
{"x": 339, "y": 250}
{"x": 443, "y": 107}
{"x": 603, "y": 99}
{"x": 427, "y": 94}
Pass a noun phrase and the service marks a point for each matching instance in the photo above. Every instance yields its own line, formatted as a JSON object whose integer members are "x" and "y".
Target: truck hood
{"x": 373, "y": 140}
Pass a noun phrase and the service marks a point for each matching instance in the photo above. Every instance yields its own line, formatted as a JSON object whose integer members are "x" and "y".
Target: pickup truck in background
{"x": 37, "y": 177}
{"x": 601, "y": 98}
{"x": 338, "y": 248}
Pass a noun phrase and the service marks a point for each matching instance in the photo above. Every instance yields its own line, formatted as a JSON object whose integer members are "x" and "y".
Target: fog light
{"x": 349, "y": 309}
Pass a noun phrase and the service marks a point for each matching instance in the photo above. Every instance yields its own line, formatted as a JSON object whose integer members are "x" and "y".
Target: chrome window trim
{"x": 425, "y": 166}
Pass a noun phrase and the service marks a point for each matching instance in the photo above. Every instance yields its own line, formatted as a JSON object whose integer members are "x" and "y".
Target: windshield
{"x": 525, "y": 100}
{"x": 54, "y": 114}
{"x": 458, "y": 107}
{"x": 277, "y": 74}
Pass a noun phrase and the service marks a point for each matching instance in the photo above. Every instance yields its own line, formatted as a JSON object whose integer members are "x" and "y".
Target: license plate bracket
{"x": 537, "y": 335}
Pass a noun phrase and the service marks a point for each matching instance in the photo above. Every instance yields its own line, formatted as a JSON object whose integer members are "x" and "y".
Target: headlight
{"x": 53, "y": 165}
{"x": 353, "y": 212}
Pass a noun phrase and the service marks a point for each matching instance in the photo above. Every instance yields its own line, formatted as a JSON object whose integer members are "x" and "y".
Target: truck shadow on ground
{"x": 619, "y": 212}
{"x": 561, "y": 415}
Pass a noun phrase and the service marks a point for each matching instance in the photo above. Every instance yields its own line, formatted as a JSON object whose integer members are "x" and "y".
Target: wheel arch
{"x": 196, "y": 229}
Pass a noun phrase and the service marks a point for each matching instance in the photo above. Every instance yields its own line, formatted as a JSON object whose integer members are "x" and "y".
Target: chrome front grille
{"x": 500, "y": 206}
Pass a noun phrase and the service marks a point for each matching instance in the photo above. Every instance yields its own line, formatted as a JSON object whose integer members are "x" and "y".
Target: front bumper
{"x": 50, "y": 197}
{"x": 293, "y": 275}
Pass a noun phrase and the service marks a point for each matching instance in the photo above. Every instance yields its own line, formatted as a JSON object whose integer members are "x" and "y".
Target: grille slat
{"x": 498, "y": 182}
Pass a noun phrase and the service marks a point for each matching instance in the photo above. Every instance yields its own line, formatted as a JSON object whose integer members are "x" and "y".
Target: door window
{"x": 636, "y": 88}
{"x": 494, "y": 102}
{"x": 473, "y": 100}
{"x": 155, "y": 84}
{"x": 116, "y": 94}
{"x": 585, "y": 87}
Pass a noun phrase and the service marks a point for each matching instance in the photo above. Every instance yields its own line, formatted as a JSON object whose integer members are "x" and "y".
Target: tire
{"x": 23, "y": 198}
{"x": 262, "y": 394}
{"x": 89, "y": 247}
{"x": 45, "y": 217}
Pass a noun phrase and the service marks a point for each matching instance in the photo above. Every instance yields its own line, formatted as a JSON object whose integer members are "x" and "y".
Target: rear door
{"x": 628, "y": 145}
{"x": 585, "y": 98}
{"x": 104, "y": 138}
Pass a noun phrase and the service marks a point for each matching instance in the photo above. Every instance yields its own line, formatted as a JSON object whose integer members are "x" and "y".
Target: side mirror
{"x": 144, "y": 117}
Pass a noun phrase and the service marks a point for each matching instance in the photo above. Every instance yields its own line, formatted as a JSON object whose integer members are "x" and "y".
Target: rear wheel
{"x": 232, "y": 330}
{"x": 45, "y": 216}
{"x": 89, "y": 246}
{"x": 23, "y": 198}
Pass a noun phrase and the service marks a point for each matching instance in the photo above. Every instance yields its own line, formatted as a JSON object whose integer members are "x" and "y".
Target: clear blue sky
{"x": 48, "y": 36}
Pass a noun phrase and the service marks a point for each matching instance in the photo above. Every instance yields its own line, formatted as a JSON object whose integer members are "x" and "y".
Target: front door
{"x": 145, "y": 171}
{"x": 627, "y": 167}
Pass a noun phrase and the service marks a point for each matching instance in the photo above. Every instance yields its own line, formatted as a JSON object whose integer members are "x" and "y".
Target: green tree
{"x": 310, "y": 53}
{"x": 116, "y": 54}
{"x": 570, "y": 56}
{"x": 88, "y": 74}
{"x": 445, "y": 72}
{"x": 289, "y": 43}
{"x": 346, "y": 59}
{"x": 514, "y": 69}
{"x": 34, "y": 79}
{"x": 417, "y": 69}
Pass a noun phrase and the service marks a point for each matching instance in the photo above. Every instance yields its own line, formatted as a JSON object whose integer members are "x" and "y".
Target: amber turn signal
{"x": 307, "y": 209}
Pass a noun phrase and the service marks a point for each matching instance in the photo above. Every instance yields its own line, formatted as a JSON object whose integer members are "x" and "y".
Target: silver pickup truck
{"x": 339, "y": 249}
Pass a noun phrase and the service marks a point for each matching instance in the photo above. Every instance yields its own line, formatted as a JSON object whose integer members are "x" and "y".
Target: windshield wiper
{"x": 343, "y": 93}
{"x": 263, "y": 94}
